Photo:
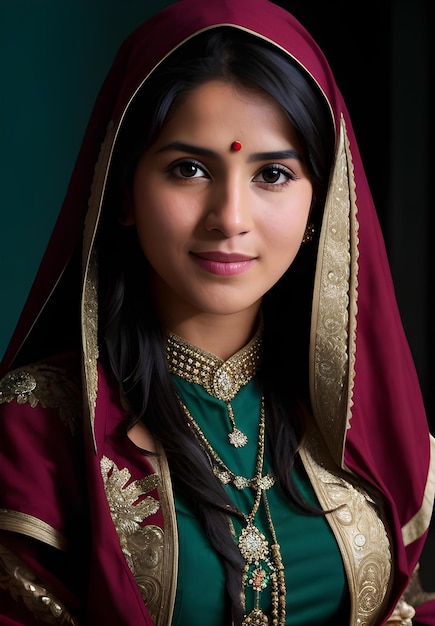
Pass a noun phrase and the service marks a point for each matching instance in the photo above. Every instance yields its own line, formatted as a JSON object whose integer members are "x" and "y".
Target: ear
{"x": 127, "y": 216}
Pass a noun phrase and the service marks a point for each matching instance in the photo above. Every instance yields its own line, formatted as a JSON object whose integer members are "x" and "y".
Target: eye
{"x": 188, "y": 169}
{"x": 274, "y": 175}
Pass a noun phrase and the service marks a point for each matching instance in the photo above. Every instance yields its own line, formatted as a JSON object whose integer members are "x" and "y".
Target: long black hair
{"x": 132, "y": 341}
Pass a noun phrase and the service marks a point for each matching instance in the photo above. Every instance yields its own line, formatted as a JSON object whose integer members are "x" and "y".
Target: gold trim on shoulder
{"x": 333, "y": 326}
{"x": 46, "y": 385}
{"x": 24, "y": 585}
{"x": 221, "y": 379}
{"x": 358, "y": 528}
{"x": 25, "y": 524}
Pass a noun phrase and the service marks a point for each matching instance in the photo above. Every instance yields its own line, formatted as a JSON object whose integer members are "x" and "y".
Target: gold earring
{"x": 309, "y": 233}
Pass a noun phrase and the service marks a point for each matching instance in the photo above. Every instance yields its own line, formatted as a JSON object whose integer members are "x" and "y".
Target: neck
{"x": 222, "y": 335}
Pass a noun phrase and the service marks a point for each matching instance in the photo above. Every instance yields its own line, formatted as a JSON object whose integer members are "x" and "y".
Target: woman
{"x": 253, "y": 447}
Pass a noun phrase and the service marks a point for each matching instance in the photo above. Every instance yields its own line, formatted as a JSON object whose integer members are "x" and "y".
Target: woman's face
{"x": 220, "y": 226}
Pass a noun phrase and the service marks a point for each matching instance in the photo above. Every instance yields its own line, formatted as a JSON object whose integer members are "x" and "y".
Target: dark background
{"x": 382, "y": 54}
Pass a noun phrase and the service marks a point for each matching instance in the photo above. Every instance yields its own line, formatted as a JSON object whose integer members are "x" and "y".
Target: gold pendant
{"x": 259, "y": 570}
{"x": 237, "y": 438}
{"x": 256, "y": 618}
{"x": 253, "y": 545}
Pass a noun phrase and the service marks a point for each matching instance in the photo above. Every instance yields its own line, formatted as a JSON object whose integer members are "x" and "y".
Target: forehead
{"x": 224, "y": 107}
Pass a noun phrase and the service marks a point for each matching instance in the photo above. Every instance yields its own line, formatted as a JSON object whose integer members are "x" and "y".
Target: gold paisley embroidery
{"x": 142, "y": 545}
{"x": 46, "y": 385}
{"x": 146, "y": 563}
{"x": 367, "y": 544}
{"x": 25, "y": 587}
{"x": 360, "y": 534}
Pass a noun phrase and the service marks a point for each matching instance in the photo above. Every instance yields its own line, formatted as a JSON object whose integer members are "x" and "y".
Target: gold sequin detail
{"x": 141, "y": 545}
{"x": 34, "y": 593}
{"x": 45, "y": 385}
{"x": 19, "y": 385}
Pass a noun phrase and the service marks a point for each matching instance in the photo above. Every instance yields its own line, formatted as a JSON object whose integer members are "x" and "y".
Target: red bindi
{"x": 236, "y": 146}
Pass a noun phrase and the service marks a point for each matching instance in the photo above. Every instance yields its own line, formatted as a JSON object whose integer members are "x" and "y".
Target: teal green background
{"x": 54, "y": 55}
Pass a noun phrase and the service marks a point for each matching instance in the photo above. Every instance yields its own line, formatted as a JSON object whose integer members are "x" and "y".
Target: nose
{"x": 229, "y": 208}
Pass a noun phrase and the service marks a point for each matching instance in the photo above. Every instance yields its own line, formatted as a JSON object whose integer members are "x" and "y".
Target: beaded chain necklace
{"x": 263, "y": 569}
{"x": 263, "y": 563}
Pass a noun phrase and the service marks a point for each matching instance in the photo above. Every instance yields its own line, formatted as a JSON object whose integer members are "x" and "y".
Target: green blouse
{"x": 314, "y": 573}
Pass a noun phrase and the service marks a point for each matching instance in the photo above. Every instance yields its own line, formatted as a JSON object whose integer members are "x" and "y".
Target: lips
{"x": 223, "y": 264}
{"x": 223, "y": 257}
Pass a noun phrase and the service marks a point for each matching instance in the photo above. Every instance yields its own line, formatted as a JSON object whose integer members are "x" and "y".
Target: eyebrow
{"x": 187, "y": 147}
{"x": 276, "y": 155}
{"x": 256, "y": 156}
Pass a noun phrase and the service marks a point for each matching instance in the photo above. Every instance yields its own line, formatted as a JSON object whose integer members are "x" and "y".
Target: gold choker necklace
{"x": 221, "y": 379}
{"x": 263, "y": 562}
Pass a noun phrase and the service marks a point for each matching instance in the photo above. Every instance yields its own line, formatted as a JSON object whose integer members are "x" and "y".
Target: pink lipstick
{"x": 222, "y": 263}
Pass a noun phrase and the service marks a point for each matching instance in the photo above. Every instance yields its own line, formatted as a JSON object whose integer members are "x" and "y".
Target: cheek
{"x": 285, "y": 229}
{"x": 162, "y": 223}
{"x": 153, "y": 213}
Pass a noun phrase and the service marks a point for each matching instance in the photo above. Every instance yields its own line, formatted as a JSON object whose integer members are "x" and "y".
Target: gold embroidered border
{"x": 89, "y": 304}
{"x": 332, "y": 351}
{"x": 418, "y": 525}
{"x": 170, "y": 544}
{"x": 31, "y": 526}
{"x": 25, "y": 524}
